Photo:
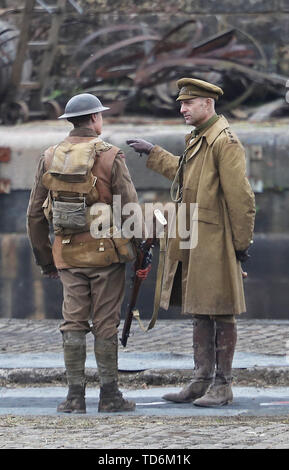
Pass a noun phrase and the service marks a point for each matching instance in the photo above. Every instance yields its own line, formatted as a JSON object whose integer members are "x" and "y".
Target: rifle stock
{"x": 140, "y": 263}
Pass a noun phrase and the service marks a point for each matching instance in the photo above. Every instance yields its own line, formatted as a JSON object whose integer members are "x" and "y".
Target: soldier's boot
{"x": 220, "y": 392}
{"x": 204, "y": 359}
{"x": 74, "y": 348}
{"x": 75, "y": 400}
{"x": 110, "y": 398}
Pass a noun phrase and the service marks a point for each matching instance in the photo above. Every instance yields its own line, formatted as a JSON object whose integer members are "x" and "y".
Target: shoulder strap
{"x": 48, "y": 157}
{"x": 104, "y": 160}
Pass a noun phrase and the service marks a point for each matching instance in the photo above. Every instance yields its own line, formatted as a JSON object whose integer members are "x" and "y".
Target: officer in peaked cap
{"x": 192, "y": 88}
{"x": 212, "y": 174}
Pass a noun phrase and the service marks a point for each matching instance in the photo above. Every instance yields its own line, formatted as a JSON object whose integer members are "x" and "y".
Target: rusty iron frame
{"x": 168, "y": 59}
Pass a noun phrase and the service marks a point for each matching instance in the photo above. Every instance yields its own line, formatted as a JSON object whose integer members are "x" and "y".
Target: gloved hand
{"x": 242, "y": 255}
{"x": 143, "y": 273}
{"x": 50, "y": 271}
{"x": 140, "y": 145}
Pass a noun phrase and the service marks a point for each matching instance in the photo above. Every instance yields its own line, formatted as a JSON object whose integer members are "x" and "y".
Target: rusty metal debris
{"x": 22, "y": 96}
{"x": 232, "y": 58}
{"x": 130, "y": 66}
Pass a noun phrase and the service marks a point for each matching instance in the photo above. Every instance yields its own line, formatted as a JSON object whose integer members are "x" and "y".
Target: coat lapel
{"x": 210, "y": 134}
{"x": 195, "y": 146}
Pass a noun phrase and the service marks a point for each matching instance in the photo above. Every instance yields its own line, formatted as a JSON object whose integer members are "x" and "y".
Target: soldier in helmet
{"x": 72, "y": 176}
{"x": 211, "y": 173}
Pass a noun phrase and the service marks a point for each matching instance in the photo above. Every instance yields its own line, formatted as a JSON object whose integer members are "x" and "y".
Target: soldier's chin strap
{"x": 158, "y": 289}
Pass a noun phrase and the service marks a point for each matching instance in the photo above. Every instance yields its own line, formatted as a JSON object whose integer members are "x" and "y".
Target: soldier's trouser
{"x": 94, "y": 294}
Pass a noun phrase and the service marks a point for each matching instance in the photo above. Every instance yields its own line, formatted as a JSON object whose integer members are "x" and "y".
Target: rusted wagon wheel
{"x": 15, "y": 111}
{"x": 52, "y": 109}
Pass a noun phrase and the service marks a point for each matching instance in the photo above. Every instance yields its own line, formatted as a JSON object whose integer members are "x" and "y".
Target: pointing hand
{"x": 140, "y": 145}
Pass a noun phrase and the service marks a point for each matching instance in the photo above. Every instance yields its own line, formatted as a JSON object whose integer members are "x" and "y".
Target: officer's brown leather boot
{"x": 74, "y": 348}
{"x": 204, "y": 358}
{"x": 110, "y": 398}
{"x": 217, "y": 395}
{"x": 220, "y": 393}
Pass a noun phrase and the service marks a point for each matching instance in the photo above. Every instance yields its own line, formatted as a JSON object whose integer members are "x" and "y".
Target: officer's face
{"x": 195, "y": 111}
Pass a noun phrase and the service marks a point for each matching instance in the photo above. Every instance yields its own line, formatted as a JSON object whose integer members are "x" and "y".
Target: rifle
{"x": 143, "y": 260}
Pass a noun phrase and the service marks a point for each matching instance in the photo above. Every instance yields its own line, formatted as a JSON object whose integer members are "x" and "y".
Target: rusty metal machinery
{"x": 131, "y": 66}
{"x": 24, "y": 82}
{"x": 232, "y": 59}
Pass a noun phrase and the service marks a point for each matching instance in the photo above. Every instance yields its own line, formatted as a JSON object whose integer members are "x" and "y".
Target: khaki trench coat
{"x": 215, "y": 179}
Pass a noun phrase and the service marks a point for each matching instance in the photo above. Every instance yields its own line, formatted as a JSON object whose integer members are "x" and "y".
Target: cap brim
{"x": 186, "y": 97}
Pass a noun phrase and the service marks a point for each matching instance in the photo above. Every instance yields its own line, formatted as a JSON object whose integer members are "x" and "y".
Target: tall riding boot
{"x": 220, "y": 393}
{"x": 110, "y": 398}
{"x": 204, "y": 358}
{"x": 74, "y": 347}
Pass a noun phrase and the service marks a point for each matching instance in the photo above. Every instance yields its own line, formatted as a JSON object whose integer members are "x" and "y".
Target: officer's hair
{"x": 211, "y": 101}
{"x": 79, "y": 121}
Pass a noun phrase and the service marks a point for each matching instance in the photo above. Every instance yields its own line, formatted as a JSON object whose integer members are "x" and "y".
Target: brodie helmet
{"x": 82, "y": 104}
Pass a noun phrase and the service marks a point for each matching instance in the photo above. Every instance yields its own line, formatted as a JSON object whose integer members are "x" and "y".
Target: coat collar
{"x": 83, "y": 132}
{"x": 211, "y": 133}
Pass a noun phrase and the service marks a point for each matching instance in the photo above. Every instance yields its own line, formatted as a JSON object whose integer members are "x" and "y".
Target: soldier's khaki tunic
{"x": 88, "y": 293}
{"x": 215, "y": 178}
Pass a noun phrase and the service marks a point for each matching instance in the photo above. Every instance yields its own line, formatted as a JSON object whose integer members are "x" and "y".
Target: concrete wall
{"x": 25, "y": 294}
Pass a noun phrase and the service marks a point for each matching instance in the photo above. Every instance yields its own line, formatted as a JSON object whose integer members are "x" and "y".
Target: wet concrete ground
{"x": 134, "y": 361}
{"x": 248, "y": 401}
{"x": 257, "y": 418}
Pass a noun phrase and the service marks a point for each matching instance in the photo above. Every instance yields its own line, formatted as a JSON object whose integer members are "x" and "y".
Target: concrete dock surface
{"x": 32, "y": 382}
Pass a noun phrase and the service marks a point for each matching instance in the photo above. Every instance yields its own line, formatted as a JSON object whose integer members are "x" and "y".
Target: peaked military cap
{"x": 192, "y": 88}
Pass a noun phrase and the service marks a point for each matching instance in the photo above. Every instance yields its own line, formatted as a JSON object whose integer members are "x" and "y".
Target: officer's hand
{"x": 244, "y": 274}
{"x": 242, "y": 256}
{"x": 143, "y": 273}
{"x": 140, "y": 145}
